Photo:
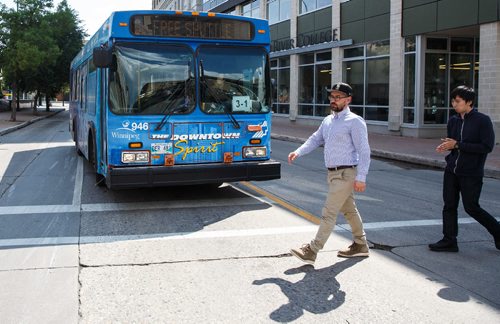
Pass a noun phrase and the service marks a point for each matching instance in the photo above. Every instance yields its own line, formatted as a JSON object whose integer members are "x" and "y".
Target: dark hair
{"x": 465, "y": 93}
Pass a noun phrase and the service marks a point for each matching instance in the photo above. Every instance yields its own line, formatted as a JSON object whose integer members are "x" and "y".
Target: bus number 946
{"x": 140, "y": 126}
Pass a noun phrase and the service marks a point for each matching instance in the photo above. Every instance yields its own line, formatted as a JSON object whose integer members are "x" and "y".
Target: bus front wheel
{"x": 100, "y": 180}
{"x": 75, "y": 138}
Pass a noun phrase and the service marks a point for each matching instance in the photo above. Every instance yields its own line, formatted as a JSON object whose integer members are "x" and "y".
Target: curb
{"x": 414, "y": 159}
{"x": 28, "y": 122}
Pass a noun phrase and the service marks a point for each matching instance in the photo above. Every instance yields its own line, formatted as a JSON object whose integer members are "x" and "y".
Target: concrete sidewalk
{"x": 407, "y": 149}
{"x": 26, "y": 116}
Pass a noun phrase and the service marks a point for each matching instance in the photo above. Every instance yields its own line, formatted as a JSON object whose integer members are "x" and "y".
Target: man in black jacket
{"x": 470, "y": 139}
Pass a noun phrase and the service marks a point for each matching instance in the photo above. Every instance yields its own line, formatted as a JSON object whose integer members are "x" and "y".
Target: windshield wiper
{"x": 168, "y": 110}
{"x": 216, "y": 97}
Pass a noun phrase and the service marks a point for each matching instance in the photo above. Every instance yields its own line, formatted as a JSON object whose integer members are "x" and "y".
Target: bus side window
{"x": 77, "y": 84}
{"x": 80, "y": 86}
{"x": 83, "y": 97}
{"x": 71, "y": 84}
{"x": 91, "y": 93}
{"x": 115, "y": 90}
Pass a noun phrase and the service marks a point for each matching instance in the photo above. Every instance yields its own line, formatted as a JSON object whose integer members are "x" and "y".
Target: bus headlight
{"x": 135, "y": 157}
{"x": 254, "y": 152}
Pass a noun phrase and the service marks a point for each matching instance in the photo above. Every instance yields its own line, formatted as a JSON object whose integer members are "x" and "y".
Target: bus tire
{"x": 75, "y": 138}
{"x": 100, "y": 180}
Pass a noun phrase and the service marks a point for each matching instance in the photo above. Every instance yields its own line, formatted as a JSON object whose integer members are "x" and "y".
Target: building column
{"x": 263, "y": 9}
{"x": 293, "y": 93}
{"x": 489, "y": 74}
{"x": 336, "y": 52}
{"x": 396, "y": 69}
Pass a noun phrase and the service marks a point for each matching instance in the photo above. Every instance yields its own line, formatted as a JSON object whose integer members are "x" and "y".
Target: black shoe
{"x": 445, "y": 245}
{"x": 497, "y": 242}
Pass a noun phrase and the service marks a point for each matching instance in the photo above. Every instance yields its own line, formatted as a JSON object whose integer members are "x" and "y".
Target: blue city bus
{"x": 161, "y": 98}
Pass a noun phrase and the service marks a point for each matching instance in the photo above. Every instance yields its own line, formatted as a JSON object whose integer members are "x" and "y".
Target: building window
{"x": 251, "y": 9}
{"x": 190, "y": 5}
{"x": 278, "y": 10}
{"x": 210, "y": 4}
{"x": 449, "y": 63}
{"x": 171, "y": 6}
{"x": 233, "y": 11}
{"x": 409, "y": 81}
{"x": 310, "y": 5}
{"x": 315, "y": 73}
{"x": 366, "y": 69}
{"x": 280, "y": 73}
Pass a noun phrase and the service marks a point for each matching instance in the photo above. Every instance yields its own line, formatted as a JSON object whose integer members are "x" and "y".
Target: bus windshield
{"x": 233, "y": 79}
{"x": 150, "y": 79}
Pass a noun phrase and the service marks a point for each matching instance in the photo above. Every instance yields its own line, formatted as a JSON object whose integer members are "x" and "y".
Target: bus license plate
{"x": 161, "y": 148}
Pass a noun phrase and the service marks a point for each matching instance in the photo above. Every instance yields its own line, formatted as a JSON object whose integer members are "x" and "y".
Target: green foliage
{"x": 37, "y": 45}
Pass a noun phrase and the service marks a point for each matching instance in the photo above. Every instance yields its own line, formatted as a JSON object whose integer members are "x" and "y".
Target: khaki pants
{"x": 340, "y": 198}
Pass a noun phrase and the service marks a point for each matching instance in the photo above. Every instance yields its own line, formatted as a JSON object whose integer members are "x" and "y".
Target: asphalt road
{"x": 74, "y": 252}
{"x": 398, "y": 196}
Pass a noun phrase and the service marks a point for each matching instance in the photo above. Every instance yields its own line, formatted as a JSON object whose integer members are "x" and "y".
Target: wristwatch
{"x": 456, "y": 146}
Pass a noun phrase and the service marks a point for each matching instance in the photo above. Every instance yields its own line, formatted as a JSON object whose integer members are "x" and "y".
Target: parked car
{"x": 4, "y": 104}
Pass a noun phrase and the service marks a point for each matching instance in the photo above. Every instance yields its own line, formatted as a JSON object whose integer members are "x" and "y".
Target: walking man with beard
{"x": 347, "y": 158}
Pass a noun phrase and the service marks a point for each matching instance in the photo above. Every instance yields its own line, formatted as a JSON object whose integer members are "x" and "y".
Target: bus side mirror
{"x": 103, "y": 57}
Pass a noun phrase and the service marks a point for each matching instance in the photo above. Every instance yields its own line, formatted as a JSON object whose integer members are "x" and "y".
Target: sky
{"x": 92, "y": 13}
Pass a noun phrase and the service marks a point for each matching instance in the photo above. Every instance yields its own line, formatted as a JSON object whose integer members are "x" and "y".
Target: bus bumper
{"x": 161, "y": 176}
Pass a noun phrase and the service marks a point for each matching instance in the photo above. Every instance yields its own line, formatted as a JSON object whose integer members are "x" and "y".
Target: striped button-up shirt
{"x": 345, "y": 138}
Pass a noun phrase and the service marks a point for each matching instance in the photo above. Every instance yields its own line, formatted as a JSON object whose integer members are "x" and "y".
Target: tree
{"x": 20, "y": 50}
{"x": 62, "y": 27}
{"x": 37, "y": 45}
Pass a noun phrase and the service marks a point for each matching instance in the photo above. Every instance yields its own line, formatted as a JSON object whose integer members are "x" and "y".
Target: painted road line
{"x": 200, "y": 234}
{"x": 302, "y": 213}
{"x": 116, "y": 207}
{"x": 77, "y": 192}
{"x": 170, "y": 204}
{"x": 38, "y": 241}
{"x": 156, "y": 237}
{"x": 38, "y": 209}
{"x": 373, "y": 225}
{"x": 28, "y": 242}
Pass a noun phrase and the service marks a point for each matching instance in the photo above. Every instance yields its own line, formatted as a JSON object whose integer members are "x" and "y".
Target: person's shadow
{"x": 318, "y": 292}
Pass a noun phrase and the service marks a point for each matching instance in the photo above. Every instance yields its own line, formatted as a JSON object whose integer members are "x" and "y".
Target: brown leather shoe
{"x": 355, "y": 250}
{"x": 305, "y": 254}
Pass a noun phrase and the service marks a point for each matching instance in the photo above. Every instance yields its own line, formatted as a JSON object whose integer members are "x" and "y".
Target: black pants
{"x": 470, "y": 188}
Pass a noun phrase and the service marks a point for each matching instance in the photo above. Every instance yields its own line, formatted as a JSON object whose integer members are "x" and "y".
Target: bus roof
{"x": 118, "y": 27}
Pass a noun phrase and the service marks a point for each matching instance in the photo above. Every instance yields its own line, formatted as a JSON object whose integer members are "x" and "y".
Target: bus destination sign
{"x": 191, "y": 27}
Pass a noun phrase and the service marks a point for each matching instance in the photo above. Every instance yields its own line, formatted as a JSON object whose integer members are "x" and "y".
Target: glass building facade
{"x": 402, "y": 57}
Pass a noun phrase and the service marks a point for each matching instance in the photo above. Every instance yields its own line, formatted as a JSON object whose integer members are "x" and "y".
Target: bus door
{"x": 102, "y": 120}
{"x": 82, "y": 109}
